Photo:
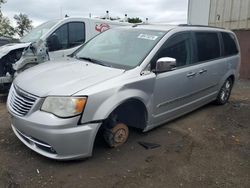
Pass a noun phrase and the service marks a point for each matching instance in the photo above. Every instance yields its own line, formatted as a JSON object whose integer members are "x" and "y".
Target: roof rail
{"x": 190, "y": 25}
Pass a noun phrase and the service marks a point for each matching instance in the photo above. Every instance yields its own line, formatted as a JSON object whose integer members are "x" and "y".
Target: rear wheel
{"x": 224, "y": 92}
{"x": 117, "y": 135}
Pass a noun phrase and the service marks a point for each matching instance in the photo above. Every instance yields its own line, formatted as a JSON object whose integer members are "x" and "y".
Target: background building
{"x": 229, "y": 14}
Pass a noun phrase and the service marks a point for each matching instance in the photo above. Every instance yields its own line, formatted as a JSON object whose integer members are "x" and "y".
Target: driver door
{"x": 174, "y": 90}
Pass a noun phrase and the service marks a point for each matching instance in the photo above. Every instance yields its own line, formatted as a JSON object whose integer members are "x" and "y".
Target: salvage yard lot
{"x": 209, "y": 147}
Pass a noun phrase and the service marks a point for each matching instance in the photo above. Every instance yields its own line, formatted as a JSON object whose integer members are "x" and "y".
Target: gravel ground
{"x": 209, "y": 147}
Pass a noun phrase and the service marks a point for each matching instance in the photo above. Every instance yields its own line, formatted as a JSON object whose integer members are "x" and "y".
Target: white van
{"x": 66, "y": 35}
{"x": 51, "y": 40}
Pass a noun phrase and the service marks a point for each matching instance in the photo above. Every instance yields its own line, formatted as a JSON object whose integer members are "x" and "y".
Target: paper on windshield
{"x": 147, "y": 37}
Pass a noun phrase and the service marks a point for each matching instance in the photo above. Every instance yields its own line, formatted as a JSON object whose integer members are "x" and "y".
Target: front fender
{"x": 100, "y": 105}
{"x": 116, "y": 100}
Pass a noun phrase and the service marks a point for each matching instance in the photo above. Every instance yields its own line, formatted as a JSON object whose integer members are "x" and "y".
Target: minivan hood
{"x": 63, "y": 78}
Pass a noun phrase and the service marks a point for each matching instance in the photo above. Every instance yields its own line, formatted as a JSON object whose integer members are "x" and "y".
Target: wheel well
{"x": 232, "y": 78}
{"x": 132, "y": 112}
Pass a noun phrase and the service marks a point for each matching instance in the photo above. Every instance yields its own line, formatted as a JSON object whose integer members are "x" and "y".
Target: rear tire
{"x": 224, "y": 92}
{"x": 117, "y": 135}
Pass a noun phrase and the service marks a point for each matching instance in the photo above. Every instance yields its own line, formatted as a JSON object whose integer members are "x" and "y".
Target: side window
{"x": 230, "y": 47}
{"x": 59, "y": 39}
{"x": 76, "y": 34}
{"x": 67, "y": 36}
{"x": 178, "y": 47}
{"x": 208, "y": 46}
{"x": 62, "y": 34}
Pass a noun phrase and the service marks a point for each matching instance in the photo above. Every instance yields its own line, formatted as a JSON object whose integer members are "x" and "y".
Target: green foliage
{"x": 24, "y": 24}
{"x": 5, "y": 28}
{"x": 134, "y": 20}
{"x": 1, "y": 2}
{"x": 22, "y": 20}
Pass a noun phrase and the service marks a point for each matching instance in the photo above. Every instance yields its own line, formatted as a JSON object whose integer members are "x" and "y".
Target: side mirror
{"x": 53, "y": 43}
{"x": 165, "y": 64}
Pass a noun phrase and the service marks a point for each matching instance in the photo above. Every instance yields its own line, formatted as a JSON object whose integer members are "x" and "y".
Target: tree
{"x": 134, "y": 20}
{"x": 5, "y": 28}
{"x": 1, "y": 2}
{"x": 24, "y": 24}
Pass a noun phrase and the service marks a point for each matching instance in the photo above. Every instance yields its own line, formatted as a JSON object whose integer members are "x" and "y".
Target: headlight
{"x": 64, "y": 106}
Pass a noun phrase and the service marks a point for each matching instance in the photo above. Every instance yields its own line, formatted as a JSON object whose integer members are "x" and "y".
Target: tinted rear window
{"x": 230, "y": 47}
{"x": 208, "y": 46}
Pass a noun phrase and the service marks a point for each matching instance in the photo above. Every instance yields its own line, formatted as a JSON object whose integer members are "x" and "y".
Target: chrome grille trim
{"x": 20, "y": 102}
{"x": 33, "y": 140}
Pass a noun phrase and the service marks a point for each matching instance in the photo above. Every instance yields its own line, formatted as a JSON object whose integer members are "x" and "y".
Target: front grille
{"x": 20, "y": 101}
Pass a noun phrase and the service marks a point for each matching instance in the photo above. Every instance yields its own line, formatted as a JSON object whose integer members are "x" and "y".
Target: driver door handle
{"x": 202, "y": 71}
{"x": 191, "y": 74}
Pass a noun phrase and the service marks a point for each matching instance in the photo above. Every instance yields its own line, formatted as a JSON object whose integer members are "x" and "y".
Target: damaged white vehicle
{"x": 17, "y": 57}
{"x": 53, "y": 40}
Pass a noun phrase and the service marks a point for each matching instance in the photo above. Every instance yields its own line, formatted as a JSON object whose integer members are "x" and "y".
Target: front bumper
{"x": 59, "y": 140}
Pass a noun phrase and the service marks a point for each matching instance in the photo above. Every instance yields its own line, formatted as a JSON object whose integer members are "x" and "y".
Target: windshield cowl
{"x": 93, "y": 61}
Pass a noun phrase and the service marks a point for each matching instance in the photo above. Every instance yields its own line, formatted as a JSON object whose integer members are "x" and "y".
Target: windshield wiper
{"x": 93, "y": 61}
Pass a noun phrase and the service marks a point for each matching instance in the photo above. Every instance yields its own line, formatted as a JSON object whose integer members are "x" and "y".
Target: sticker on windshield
{"x": 148, "y": 37}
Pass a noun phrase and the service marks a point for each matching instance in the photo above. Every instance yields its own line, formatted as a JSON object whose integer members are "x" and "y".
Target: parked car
{"x": 141, "y": 76}
{"x": 6, "y": 40}
{"x": 51, "y": 40}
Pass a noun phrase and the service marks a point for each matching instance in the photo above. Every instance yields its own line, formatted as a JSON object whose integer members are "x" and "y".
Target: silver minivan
{"x": 141, "y": 76}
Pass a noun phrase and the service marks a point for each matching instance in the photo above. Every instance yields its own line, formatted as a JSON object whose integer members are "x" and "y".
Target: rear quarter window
{"x": 230, "y": 47}
{"x": 208, "y": 46}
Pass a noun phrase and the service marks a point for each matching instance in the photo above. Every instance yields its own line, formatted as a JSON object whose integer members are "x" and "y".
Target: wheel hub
{"x": 120, "y": 136}
{"x": 117, "y": 136}
{"x": 226, "y": 91}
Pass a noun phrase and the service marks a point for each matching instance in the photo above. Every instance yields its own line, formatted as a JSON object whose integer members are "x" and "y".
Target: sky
{"x": 164, "y": 11}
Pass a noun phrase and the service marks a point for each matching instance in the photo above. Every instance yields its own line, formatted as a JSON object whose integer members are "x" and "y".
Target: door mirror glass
{"x": 165, "y": 64}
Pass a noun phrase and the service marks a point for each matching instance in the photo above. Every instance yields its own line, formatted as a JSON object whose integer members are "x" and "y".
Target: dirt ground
{"x": 209, "y": 147}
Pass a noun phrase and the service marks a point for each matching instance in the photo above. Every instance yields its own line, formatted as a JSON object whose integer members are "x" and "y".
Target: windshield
{"x": 36, "y": 33}
{"x": 120, "y": 47}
